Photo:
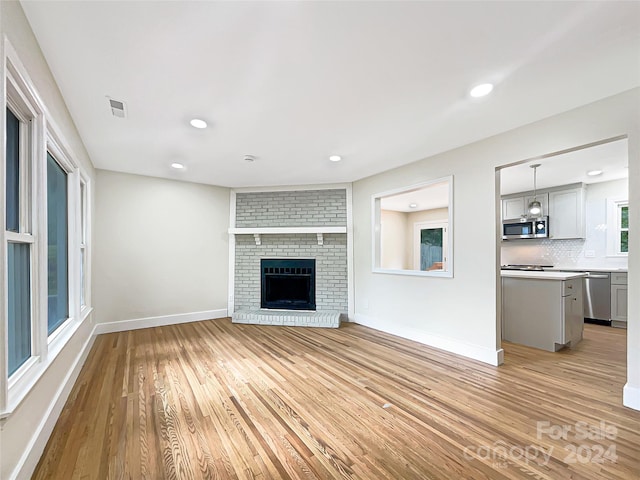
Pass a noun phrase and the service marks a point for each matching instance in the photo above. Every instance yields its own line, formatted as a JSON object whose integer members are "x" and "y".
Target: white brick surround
{"x": 302, "y": 208}
{"x": 288, "y": 318}
{"x": 291, "y": 209}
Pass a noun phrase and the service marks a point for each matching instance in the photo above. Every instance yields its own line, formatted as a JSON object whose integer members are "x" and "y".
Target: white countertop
{"x": 541, "y": 275}
{"x": 588, "y": 269}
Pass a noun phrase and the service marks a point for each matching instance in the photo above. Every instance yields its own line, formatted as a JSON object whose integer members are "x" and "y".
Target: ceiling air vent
{"x": 117, "y": 108}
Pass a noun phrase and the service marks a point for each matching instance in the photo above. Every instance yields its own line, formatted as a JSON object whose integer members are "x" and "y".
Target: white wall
{"x": 572, "y": 253}
{"x": 393, "y": 240}
{"x": 20, "y": 442}
{"x": 459, "y": 314}
{"x": 161, "y": 247}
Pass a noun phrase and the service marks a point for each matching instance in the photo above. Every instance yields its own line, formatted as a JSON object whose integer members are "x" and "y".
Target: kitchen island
{"x": 542, "y": 309}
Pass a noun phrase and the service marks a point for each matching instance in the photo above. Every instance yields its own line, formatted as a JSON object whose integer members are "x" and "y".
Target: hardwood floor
{"x": 216, "y": 400}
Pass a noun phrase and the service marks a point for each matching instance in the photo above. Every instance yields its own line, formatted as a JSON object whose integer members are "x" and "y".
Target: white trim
{"x": 631, "y": 397}
{"x": 475, "y": 352}
{"x": 14, "y": 237}
{"x": 138, "y": 323}
{"x": 285, "y": 230}
{"x": 231, "y": 286}
{"x": 29, "y": 460}
{"x": 350, "y": 264}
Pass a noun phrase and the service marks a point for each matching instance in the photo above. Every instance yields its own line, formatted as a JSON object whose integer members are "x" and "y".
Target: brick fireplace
{"x": 307, "y": 225}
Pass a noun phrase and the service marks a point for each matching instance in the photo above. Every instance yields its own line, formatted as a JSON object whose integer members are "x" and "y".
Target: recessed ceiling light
{"x": 249, "y": 158}
{"x": 335, "y": 158}
{"x": 481, "y": 90}
{"x": 413, "y": 205}
{"x": 177, "y": 166}
{"x": 594, "y": 173}
{"x": 198, "y": 123}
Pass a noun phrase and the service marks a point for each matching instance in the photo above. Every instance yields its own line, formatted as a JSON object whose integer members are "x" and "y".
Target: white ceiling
{"x": 428, "y": 197}
{"x": 380, "y": 83}
{"x": 612, "y": 158}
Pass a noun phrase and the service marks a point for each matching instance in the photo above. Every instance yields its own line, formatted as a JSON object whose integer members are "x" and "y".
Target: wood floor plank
{"x": 215, "y": 400}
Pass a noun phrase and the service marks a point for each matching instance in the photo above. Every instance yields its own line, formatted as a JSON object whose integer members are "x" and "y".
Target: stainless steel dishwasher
{"x": 597, "y": 297}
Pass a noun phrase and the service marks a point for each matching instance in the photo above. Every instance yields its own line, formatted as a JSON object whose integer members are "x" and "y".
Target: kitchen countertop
{"x": 587, "y": 269}
{"x": 547, "y": 275}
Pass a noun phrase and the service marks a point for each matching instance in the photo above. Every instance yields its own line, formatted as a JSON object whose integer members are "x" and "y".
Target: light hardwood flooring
{"x": 216, "y": 400}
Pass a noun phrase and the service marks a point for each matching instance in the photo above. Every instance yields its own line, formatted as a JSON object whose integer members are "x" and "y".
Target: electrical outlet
{"x": 589, "y": 253}
{"x": 365, "y": 304}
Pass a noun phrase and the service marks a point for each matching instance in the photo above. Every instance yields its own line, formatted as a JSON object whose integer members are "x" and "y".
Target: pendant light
{"x": 535, "y": 207}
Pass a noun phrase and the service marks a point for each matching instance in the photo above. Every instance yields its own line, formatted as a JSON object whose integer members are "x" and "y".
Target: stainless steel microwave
{"x": 520, "y": 228}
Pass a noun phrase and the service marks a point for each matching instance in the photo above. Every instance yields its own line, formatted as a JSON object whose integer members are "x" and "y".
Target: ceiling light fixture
{"x": 481, "y": 90}
{"x": 177, "y": 166}
{"x": 594, "y": 173}
{"x": 413, "y": 205}
{"x": 335, "y": 158}
{"x": 249, "y": 158}
{"x": 198, "y": 123}
{"x": 535, "y": 207}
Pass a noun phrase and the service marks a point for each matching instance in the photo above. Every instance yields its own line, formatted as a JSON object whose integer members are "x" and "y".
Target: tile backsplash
{"x": 560, "y": 253}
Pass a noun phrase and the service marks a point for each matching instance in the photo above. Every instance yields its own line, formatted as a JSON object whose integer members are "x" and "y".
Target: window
{"x": 617, "y": 227}
{"x": 411, "y": 229}
{"x": 430, "y": 246}
{"x": 57, "y": 245}
{"x": 19, "y": 244}
{"x": 622, "y": 234}
{"x": 45, "y": 240}
{"x": 13, "y": 171}
{"x": 19, "y": 238}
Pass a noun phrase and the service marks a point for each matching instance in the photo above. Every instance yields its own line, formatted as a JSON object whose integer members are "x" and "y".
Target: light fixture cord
{"x": 535, "y": 171}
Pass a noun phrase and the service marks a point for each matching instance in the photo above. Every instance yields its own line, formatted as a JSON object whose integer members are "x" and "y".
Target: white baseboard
{"x": 475, "y": 352}
{"x": 33, "y": 452}
{"x": 137, "y": 323}
{"x": 631, "y": 397}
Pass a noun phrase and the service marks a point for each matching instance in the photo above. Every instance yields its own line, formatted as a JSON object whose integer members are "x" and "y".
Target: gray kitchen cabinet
{"x": 619, "y": 298}
{"x": 515, "y": 207}
{"x": 566, "y": 214}
{"x": 512, "y": 208}
{"x": 543, "y": 310}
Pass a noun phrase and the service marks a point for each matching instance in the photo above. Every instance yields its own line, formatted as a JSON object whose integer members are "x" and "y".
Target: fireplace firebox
{"x": 288, "y": 284}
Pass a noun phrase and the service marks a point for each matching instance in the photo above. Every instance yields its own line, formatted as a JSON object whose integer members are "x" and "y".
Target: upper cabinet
{"x": 512, "y": 208}
{"x": 563, "y": 205}
{"x": 566, "y": 214}
{"x": 515, "y": 207}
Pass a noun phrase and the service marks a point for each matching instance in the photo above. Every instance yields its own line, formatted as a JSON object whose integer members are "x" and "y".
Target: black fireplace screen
{"x": 288, "y": 284}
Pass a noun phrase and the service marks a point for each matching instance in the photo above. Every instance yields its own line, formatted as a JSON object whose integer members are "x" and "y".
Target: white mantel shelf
{"x": 258, "y": 231}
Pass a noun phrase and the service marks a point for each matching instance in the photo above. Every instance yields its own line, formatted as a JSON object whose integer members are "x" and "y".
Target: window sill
{"x": 37, "y": 366}
{"x": 416, "y": 273}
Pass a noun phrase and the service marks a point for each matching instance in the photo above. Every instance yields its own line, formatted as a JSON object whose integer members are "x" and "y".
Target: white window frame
{"x": 614, "y": 206}
{"x": 85, "y": 244}
{"x": 44, "y": 135}
{"x": 376, "y": 231}
{"x": 64, "y": 161}
{"x": 23, "y": 101}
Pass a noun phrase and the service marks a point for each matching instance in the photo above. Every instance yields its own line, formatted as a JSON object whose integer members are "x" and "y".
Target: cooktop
{"x": 534, "y": 268}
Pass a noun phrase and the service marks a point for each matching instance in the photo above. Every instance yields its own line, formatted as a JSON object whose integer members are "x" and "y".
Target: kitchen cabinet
{"x": 512, "y": 208}
{"x": 542, "y": 309}
{"x": 619, "y": 298}
{"x": 515, "y": 207}
{"x": 566, "y": 214}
